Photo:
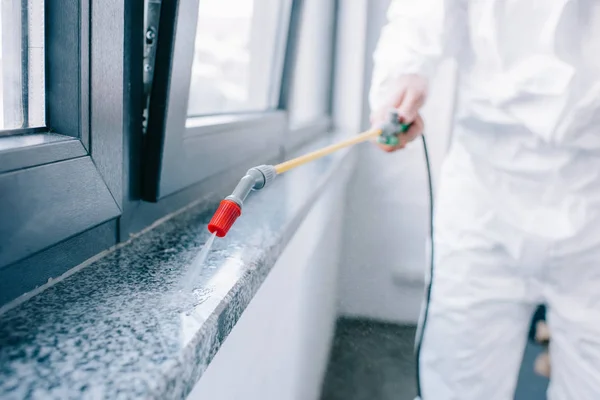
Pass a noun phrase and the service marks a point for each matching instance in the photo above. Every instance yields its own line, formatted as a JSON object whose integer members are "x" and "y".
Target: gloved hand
{"x": 409, "y": 97}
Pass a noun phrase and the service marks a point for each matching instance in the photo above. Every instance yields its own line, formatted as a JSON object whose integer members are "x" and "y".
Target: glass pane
{"x": 234, "y": 57}
{"x": 311, "y": 86}
{"x": 22, "y": 73}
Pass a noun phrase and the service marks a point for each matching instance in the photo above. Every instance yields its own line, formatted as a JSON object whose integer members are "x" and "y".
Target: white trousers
{"x": 504, "y": 243}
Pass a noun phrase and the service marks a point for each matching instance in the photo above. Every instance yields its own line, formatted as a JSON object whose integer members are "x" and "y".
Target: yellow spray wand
{"x": 258, "y": 177}
{"x": 315, "y": 155}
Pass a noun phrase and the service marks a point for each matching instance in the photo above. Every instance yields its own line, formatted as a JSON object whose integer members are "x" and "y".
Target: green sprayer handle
{"x": 392, "y": 140}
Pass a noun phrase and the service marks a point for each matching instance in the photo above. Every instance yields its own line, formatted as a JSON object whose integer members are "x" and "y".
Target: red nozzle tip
{"x": 224, "y": 218}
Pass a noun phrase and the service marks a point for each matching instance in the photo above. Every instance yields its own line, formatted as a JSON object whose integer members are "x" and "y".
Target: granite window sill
{"x": 127, "y": 325}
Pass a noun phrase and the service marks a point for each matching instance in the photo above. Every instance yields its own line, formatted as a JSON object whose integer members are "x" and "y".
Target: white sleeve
{"x": 418, "y": 34}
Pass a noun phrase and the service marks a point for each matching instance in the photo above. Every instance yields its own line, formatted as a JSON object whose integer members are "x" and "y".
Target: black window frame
{"x": 182, "y": 151}
{"x": 72, "y": 181}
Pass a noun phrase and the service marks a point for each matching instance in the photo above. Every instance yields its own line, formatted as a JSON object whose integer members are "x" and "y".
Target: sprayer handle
{"x": 392, "y": 129}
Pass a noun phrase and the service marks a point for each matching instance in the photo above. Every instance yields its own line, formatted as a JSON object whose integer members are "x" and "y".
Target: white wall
{"x": 384, "y": 245}
{"x": 280, "y": 346}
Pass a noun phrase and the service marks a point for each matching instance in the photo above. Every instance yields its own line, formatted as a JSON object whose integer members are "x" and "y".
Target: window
{"x": 309, "y": 69}
{"x": 54, "y": 185}
{"x": 221, "y": 87}
{"x": 310, "y": 93}
{"x": 235, "y": 56}
{"x": 22, "y": 73}
{"x": 75, "y": 161}
{"x": 237, "y": 77}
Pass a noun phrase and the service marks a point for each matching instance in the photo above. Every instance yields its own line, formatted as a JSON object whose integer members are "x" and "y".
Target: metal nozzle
{"x": 231, "y": 208}
{"x": 255, "y": 179}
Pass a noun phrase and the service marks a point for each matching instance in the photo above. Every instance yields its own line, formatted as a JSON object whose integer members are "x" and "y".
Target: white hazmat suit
{"x": 517, "y": 219}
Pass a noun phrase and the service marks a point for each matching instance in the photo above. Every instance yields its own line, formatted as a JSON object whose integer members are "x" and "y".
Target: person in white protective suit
{"x": 517, "y": 220}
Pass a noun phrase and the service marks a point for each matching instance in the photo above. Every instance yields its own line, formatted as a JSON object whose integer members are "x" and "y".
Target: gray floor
{"x": 375, "y": 361}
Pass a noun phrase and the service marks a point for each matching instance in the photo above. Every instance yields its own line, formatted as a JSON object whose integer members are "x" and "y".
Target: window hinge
{"x": 151, "y": 20}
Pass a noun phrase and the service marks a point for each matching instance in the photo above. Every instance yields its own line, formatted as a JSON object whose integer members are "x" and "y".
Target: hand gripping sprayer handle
{"x": 391, "y": 129}
{"x": 258, "y": 177}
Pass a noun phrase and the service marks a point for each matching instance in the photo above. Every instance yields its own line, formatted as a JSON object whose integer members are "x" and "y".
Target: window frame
{"x": 300, "y": 134}
{"x": 69, "y": 183}
{"x": 12, "y": 25}
{"x": 182, "y": 151}
{"x": 93, "y": 164}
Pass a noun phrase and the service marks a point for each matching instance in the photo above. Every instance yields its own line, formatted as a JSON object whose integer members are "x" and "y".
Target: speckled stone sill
{"x": 140, "y": 322}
